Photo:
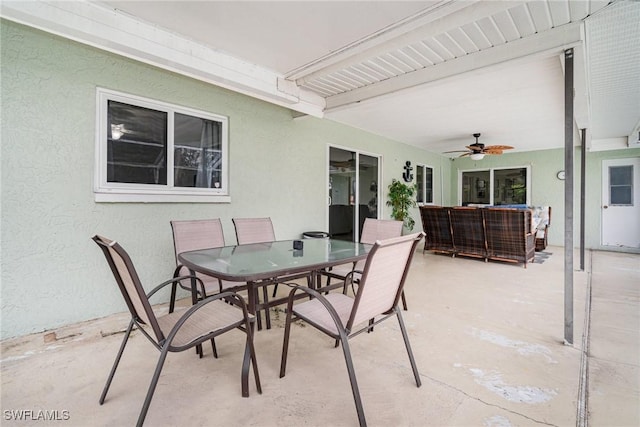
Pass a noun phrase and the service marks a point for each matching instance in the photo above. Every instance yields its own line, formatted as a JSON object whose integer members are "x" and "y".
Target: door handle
{"x": 605, "y": 207}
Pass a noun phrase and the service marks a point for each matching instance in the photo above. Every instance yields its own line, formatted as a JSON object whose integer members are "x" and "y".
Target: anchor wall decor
{"x": 407, "y": 175}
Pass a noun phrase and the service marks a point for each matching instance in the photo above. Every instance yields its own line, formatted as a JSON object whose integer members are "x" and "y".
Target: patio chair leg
{"x": 404, "y": 301}
{"x": 285, "y": 343}
{"x": 352, "y": 379}
{"x": 116, "y": 362}
{"x": 406, "y": 343}
{"x": 267, "y": 311}
{"x": 172, "y": 301}
{"x": 253, "y": 301}
{"x": 199, "y": 350}
{"x": 152, "y": 386}
{"x": 213, "y": 348}
{"x": 250, "y": 358}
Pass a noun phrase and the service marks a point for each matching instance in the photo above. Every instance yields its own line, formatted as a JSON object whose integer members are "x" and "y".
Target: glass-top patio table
{"x": 258, "y": 264}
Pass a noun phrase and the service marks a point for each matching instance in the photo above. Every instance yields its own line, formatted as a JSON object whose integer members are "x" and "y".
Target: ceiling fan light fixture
{"x": 477, "y": 150}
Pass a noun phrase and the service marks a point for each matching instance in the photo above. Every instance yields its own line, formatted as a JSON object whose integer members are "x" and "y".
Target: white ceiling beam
{"x": 426, "y": 24}
{"x": 633, "y": 140}
{"x": 581, "y": 103}
{"x": 122, "y": 34}
{"x": 551, "y": 42}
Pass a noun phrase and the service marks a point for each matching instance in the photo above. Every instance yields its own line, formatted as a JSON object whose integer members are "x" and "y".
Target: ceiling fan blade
{"x": 492, "y": 151}
{"x": 499, "y": 147}
{"x": 342, "y": 164}
{"x": 479, "y": 148}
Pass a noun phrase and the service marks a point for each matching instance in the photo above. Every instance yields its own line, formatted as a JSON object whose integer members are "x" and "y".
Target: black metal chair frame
{"x": 268, "y": 282}
{"x": 354, "y": 279}
{"x": 164, "y": 344}
{"x": 344, "y": 334}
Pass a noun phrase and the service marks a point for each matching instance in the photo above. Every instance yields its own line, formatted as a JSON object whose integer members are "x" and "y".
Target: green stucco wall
{"x": 52, "y": 273}
{"x": 547, "y": 190}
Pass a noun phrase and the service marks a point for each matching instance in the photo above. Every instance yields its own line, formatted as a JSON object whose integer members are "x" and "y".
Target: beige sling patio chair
{"x": 260, "y": 230}
{"x": 180, "y": 330}
{"x": 192, "y": 235}
{"x": 343, "y": 317}
{"x": 372, "y": 230}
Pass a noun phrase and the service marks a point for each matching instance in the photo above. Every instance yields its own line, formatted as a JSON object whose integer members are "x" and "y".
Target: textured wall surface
{"x": 52, "y": 273}
{"x": 548, "y": 190}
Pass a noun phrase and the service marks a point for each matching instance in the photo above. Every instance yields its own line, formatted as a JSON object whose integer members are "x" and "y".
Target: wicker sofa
{"x": 504, "y": 234}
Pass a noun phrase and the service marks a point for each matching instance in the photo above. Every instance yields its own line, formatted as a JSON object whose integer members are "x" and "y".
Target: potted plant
{"x": 401, "y": 199}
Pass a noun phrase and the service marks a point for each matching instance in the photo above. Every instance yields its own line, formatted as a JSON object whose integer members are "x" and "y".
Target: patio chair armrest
{"x": 328, "y": 269}
{"x": 173, "y": 280}
{"x": 349, "y": 278}
{"x": 327, "y": 305}
{"x": 179, "y": 268}
{"x": 236, "y": 299}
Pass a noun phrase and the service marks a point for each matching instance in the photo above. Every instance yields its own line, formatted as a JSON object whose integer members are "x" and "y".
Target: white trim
{"x": 109, "y": 29}
{"x": 424, "y": 194}
{"x": 158, "y": 198}
{"x": 125, "y": 192}
{"x": 546, "y": 44}
{"x": 407, "y": 30}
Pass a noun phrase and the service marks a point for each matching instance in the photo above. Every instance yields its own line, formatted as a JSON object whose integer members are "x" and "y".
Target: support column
{"x": 583, "y": 189}
{"x": 568, "y": 196}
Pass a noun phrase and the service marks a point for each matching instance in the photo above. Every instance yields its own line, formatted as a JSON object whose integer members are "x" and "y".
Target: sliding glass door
{"x": 353, "y": 191}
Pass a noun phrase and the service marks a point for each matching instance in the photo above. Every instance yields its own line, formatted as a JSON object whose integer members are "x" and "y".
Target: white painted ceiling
{"x": 279, "y": 35}
{"x": 427, "y": 73}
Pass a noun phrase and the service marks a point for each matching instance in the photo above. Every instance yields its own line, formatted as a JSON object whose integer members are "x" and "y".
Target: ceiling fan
{"x": 478, "y": 150}
{"x": 347, "y": 163}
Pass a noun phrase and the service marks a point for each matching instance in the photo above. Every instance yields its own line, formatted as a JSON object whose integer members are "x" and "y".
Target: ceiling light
{"x": 117, "y": 131}
{"x": 477, "y": 156}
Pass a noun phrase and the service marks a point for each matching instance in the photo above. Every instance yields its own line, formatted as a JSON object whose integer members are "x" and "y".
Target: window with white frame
{"x": 148, "y": 150}
{"x": 424, "y": 184}
{"x": 499, "y": 186}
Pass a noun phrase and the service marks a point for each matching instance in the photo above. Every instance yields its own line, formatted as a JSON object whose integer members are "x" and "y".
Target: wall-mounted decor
{"x": 407, "y": 175}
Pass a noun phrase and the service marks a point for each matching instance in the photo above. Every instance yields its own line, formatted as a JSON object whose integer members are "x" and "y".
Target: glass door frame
{"x": 357, "y": 153}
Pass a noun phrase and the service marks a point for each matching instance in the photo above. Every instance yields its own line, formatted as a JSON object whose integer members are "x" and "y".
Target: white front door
{"x": 621, "y": 202}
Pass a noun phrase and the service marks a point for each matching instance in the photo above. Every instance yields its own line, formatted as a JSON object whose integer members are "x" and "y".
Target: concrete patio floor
{"x": 487, "y": 337}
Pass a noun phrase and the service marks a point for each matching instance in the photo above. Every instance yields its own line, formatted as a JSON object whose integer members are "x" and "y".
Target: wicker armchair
{"x": 468, "y": 232}
{"x": 436, "y": 225}
{"x": 509, "y": 235}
